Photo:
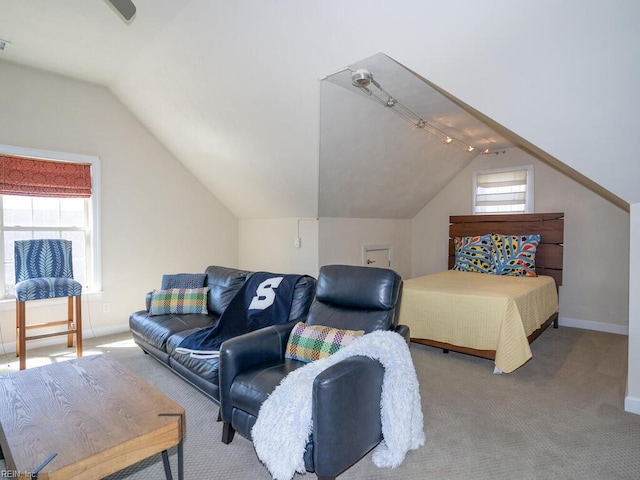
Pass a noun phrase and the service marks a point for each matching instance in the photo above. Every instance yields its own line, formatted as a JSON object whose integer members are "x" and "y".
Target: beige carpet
{"x": 560, "y": 416}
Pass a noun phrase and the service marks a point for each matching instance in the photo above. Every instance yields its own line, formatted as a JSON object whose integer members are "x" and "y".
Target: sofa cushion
{"x": 223, "y": 285}
{"x": 302, "y": 296}
{"x": 156, "y": 329}
{"x": 204, "y": 368}
{"x": 252, "y": 387}
{"x": 340, "y": 285}
{"x": 179, "y": 301}
{"x": 341, "y": 300}
{"x": 183, "y": 280}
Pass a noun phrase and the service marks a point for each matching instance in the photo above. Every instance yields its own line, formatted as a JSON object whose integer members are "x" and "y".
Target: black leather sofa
{"x": 159, "y": 335}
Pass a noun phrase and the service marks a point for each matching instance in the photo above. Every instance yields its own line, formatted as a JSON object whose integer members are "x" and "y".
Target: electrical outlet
{"x": 106, "y": 307}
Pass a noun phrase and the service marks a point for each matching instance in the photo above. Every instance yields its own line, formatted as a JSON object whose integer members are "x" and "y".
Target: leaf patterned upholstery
{"x": 44, "y": 269}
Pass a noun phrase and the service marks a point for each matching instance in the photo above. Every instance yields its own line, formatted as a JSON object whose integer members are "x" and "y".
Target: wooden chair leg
{"x": 22, "y": 334}
{"x": 17, "y": 328}
{"x": 70, "y": 321}
{"x": 21, "y": 328}
{"x": 79, "y": 326}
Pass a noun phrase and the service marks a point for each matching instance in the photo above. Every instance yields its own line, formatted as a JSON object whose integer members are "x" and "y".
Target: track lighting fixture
{"x": 363, "y": 79}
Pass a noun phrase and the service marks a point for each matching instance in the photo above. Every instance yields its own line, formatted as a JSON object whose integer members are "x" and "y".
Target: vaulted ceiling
{"x": 234, "y": 89}
{"x": 375, "y": 161}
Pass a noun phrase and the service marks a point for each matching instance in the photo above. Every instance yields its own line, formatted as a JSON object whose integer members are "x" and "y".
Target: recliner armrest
{"x": 249, "y": 350}
{"x": 346, "y": 399}
{"x": 403, "y": 330}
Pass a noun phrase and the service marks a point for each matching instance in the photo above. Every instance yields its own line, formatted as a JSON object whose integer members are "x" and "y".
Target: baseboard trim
{"x": 597, "y": 326}
{"x": 632, "y": 405}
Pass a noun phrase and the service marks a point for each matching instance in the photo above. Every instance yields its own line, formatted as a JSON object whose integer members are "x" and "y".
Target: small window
{"x": 503, "y": 190}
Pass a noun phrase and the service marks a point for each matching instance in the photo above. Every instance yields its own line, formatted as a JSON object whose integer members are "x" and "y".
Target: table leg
{"x": 167, "y": 466}
{"x": 165, "y": 457}
{"x": 36, "y": 471}
{"x": 180, "y": 461}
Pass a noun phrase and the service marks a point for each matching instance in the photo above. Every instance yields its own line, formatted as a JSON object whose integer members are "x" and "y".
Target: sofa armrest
{"x": 403, "y": 330}
{"x": 346, "y": 399}
{"x": 245, "y": 351}
{"x": 148, "y": 301}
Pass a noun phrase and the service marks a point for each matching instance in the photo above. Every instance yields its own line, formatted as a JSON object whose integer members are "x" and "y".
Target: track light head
{"x": 361, "y": 78}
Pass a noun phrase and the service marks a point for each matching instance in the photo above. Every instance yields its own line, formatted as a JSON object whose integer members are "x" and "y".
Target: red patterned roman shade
{"x": 44, "y": 178}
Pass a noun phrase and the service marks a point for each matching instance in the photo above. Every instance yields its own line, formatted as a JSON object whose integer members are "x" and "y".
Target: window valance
{"x": 44, "y": 178}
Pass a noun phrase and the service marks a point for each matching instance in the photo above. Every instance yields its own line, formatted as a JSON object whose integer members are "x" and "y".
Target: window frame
{"x": 94, "y": 242}
{"x": 529, "y": 193}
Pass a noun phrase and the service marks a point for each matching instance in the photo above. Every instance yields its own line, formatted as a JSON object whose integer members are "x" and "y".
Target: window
{"x": 503, "y": 190}
{"x": 25, "y": 217}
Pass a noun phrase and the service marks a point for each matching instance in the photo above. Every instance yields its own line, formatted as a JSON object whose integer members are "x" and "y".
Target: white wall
{"x": 595, "y": 287}
{"x": 156, "y": 217}
{"x": 341, "y": 241}
{"x": 267, "y": 244}
{"x": 632, "y": 402}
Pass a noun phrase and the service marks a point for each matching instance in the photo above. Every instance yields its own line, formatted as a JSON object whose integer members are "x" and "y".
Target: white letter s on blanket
{"x": 264, "y": 294}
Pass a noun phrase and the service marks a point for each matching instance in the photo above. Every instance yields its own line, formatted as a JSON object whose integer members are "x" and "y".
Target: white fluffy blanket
{"x": 284, "y": 423}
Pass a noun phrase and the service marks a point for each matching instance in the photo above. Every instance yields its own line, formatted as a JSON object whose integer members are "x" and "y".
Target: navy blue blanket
{"x": 264, "y": 299}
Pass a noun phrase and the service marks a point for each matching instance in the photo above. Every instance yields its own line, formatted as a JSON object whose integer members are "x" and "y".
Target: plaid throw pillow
{"x": 313, "y": 342}
{"x": 179, "y": 301}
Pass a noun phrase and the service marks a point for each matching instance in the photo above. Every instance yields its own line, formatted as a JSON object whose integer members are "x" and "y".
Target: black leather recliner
{"x": 348, "y": 393}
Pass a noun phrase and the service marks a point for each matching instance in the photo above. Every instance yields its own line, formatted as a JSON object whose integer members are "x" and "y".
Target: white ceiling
{"x": 84, "y": 39}
{"x": 232, "y": 89}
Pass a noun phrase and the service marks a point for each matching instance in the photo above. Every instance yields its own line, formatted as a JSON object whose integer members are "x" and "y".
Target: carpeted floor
{"x": 560, "y": 416}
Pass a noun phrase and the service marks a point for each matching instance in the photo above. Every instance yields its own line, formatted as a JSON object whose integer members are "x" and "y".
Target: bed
{"x": 487, "y": 315}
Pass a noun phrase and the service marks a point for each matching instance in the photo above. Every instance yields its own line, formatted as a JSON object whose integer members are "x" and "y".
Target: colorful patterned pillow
{"x": 515, "y": 254}
{"x": 313, "y": 342}
{"x": 179, "y": 301}
{"x": 474, "y": 254}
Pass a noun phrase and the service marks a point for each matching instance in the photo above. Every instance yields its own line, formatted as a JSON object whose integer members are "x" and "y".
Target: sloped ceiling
{"x": 375, "y": 163}
{"x": 232, "y": 89}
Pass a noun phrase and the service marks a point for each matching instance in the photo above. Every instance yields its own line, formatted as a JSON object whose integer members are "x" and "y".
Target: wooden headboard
{"x": 550, "y": 227}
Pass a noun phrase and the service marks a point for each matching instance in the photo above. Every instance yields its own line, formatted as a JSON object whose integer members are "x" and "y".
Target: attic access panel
{"x": 376, "y": 164}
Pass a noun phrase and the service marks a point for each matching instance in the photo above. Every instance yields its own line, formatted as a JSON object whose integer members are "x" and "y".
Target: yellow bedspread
{"x": 480, "y": 311}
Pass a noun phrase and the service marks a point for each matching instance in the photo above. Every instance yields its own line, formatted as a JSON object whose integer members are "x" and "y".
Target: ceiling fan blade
{"x": 126, "y": 8}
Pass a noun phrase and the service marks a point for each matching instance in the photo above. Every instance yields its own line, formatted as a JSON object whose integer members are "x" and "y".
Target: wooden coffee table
{"x": 84, "y": 419}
